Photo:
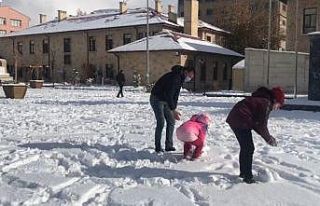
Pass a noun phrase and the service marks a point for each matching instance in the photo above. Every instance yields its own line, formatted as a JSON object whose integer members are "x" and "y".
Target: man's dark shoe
{"x": 249, "y": 180}
{"x": 159, "y": 150}
{"x": 242, "y": 176}
{"x": 170, "y": 149}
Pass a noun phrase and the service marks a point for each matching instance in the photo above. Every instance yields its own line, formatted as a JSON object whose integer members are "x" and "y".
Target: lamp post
{"x": 147, "y": 48}
{"x": 269, "y": 43}
{"x": 296, "y": 52}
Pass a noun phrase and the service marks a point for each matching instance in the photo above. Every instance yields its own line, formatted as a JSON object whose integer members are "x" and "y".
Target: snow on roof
{"x": 239, "y": 65}
{"x": 105, "y": 18}
{"x": 168, "y": 40}
{"x": 203, "y": 24}
{"x": 96, "y": 20}
{"x": 314, "y": 33}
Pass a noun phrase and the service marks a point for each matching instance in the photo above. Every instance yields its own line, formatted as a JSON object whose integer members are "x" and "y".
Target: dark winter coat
{"x": 167, "y": 88}
{"x": 120, "y": 78}
{"x": 253, "y": 113}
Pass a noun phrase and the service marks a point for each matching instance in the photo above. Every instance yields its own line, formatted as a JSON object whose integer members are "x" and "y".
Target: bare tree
{"x": 247, "y": 20}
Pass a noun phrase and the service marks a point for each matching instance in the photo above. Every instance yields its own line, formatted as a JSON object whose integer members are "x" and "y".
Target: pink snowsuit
{"x": 193, "y": 132}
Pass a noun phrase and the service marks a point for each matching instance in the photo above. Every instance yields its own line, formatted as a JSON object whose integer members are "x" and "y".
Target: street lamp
{"x": 147, "y": 48}
{"x": 269, "y": 43}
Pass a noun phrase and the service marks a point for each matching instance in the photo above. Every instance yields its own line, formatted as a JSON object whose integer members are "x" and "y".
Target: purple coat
{"x": 253, "y": 113}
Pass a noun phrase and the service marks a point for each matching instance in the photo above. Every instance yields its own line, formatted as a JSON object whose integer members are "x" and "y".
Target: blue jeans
{"x": 162, "y": 113}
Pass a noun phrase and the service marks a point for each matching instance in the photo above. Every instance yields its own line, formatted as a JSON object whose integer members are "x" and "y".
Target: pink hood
{"x": 194, "y": 128}
{"x": 203, "y": 118}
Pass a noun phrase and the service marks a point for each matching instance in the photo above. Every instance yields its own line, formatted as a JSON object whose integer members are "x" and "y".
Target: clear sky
{"x": 33, "y": 8}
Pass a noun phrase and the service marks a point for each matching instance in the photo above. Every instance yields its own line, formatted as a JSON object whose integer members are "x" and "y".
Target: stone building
{"x": 12, "y": 20}
{"x": 308, "y": 21}
{"x": 76, "y": 48}
{"x": 212, "y": 62}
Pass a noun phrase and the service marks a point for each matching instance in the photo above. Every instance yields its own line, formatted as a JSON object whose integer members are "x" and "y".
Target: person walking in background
{"x": 163, "y": 99}
{"x": 193, "y": 133}
{"x": 252, "y": 113}
{"x": 121, "y": 80}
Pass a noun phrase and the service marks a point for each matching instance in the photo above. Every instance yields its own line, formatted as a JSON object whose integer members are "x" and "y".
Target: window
{"x": 92, "y": 43}
{"x": 127, "y": 38}
{"x": 31, "y": 47}
{"x": 190, "y": 64}
{"x": 309, "y": 20}
{"x": 215, "y": 71}
{"x": 283, "y": 22}
{"x": 2, "y": 21}
{"x": 67, "y": 59}
{"x": 15, "y": 22}
{"x": 140, "y": 35}
{"x": 109, "y": 71}
{"x": 45, "y": 46}
{"x": 3, "y": 32}
{"x": 225, "y": 71}
{"x": 109, "y": 42}
{"x": 67, "y": 45}
{"x": 284, "y": 7}
{"x": 203, "y": 71}
{"x": 209, "y": 38}
{"x": 20, "y": 47}
{"x": 209, "y": 11}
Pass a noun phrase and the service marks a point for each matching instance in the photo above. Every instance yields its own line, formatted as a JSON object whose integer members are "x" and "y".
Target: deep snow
{"x": 83, "y": 146}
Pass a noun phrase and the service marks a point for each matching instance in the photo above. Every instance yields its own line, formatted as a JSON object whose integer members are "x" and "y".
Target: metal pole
{"x": 147, "y": 48}
{"x": 296, "y": 50}
{"x": 269, "y": 43}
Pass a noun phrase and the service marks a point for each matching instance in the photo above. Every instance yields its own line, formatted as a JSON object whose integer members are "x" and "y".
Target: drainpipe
{"x": 137, "y": 32}
{"x": 49, "y": 54}
{"x": 118, "y": 61}
{"x": 87, "y": 56}
{"x": 15, "y": 61}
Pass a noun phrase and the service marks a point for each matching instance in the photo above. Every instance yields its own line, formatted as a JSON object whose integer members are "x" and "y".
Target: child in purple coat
{"x": 252, "y": 113}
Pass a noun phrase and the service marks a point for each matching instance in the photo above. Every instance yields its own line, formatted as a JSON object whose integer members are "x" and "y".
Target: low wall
{"x": 281, "y": 72}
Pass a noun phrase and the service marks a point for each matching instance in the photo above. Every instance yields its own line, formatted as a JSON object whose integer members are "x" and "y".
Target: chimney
{"x": 62, "y": 15}
{"x": 191, "y": 17}
{"x": 158, "y": 6}
{"x": 172, "y": 14}
{"x": 123, "y": 7}
{"x": 42, "y": 18}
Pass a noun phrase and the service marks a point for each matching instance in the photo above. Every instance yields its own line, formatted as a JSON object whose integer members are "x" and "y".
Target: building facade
{"x": 308, "y": 21}
{"x": 221, "y": 12}
{"x": 12, "y": 20}
{"x": 212, "y": 63}
{"x": 76, "y": 48}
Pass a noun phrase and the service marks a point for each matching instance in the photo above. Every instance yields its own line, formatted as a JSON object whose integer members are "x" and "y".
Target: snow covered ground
{"x": 86, "y": 147}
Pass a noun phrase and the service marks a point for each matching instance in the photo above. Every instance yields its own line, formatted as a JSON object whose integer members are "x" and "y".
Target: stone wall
{"x": 160, "y": 63}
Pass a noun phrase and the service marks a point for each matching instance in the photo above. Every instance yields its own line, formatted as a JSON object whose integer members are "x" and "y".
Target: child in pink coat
{"x": 193, "y": 133}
